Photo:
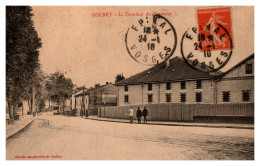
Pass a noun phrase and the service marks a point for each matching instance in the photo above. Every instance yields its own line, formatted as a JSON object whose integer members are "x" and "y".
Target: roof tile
{"x": 176, "y": 71}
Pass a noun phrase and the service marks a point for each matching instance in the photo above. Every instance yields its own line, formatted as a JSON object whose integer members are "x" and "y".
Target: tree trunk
{"x": 22, "y": 108}
{"x": 29, "y": 104}
{"x": 33, "y": 100}
{"x": 59, "y": 105}
{"x": 10, "y": 111}
{"x": 63, "y": 103}
{"x": 38, "y": 105}
{"x": 14, "y": 109}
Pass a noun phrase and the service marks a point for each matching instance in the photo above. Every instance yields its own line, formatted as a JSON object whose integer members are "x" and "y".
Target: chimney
{"x": 167, "y": 63}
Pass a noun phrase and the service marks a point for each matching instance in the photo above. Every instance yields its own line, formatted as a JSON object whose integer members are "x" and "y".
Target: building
{"x": 79, "y": 99}
{"x": 236, "y": 85}
{"x": 93, "y": 98}
{"x": 103, "y": 95}
{"x": 176, "y": 82}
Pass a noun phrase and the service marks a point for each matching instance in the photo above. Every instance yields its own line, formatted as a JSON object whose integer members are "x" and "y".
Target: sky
{"x": 90, "y": 49}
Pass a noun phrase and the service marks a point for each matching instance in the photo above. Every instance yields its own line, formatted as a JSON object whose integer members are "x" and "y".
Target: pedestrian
{"x": 139, "y": 115}
{"x": 131, "y": 114}
{"x": 145, "y": 113}
{"x": 86, "y": 113}
{"x": 81, "y": 112}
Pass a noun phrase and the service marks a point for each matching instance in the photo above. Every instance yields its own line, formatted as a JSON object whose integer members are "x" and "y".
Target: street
{"x": 75, "y": 138}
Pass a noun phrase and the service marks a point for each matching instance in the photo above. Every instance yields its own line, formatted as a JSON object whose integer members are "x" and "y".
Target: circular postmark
{"x": 207, "y": 49}
{"x": 151, "y": 40}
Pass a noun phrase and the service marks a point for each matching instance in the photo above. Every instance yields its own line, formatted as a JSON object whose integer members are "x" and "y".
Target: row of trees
{"x": 22, "y": 62}
{"x": 25, "y": 81}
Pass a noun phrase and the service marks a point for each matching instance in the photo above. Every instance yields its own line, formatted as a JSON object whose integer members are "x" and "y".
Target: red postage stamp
{"x": 215, "y": 30}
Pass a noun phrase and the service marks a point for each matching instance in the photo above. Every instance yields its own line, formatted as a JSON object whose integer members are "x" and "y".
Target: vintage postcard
{"x": 130, "y": 83}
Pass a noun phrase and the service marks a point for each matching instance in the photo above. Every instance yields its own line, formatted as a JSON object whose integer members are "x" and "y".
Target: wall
{"x": 235, "y": 81}
{"x": 181, "y": 112}
{"x": 134, "y": 92}
{"x": 138, "y": 94}
{"x": 240, "y": 70}
{"x": 235, "y": 87}
{"x": 207, "y": 92}
{"x": 106, "y": 94}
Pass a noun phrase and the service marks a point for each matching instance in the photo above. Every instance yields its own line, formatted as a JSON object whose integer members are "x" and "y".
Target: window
{"x": 168, "y": 97}
{"x": 183, "y": 85}
{"x": 198, "y": 97}
{"x": 150, "y": 86}
{"x": 126, "y": 88}
{"x": 168, "y": 86}
{"x": 183, "y": 97}
{"x": 226, "y": 96}
{"x": 245, "y": 95}
{"x": 198, "y": 84}
{"x": 150, "y": 97}
{"x": 126, "y": 98}
{"x": 249, "y": 69}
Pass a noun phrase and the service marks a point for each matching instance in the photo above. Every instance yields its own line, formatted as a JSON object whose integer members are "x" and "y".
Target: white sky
{"x": 92, "y": 49}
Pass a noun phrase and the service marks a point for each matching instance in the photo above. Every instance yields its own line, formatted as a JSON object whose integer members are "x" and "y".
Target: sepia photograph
{"x": 130, "y": 82}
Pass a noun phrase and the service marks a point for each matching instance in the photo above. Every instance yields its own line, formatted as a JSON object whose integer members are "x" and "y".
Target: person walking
{"x": 139, "y": 115}
{"x": 131, "y": 114}
{"x": 145, "y": 113}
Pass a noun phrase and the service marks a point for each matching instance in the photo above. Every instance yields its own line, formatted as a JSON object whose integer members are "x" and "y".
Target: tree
{"x": 22, "y": 44}
{"x": 59, "y": 87}
{"x": 119, "y": 77}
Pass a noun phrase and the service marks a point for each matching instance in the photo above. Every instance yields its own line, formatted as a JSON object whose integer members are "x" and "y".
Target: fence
{"x": 181, "y": 112}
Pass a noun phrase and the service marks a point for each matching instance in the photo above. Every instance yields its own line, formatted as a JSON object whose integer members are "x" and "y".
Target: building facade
{"x": 104, "y": 95}
{"x": 237, "y": 84}
{"x": 179, "y": 83}
{"x": 79, "y": 99}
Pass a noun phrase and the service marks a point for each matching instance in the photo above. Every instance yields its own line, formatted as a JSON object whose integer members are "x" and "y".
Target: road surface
{"x": 73, "y": 138}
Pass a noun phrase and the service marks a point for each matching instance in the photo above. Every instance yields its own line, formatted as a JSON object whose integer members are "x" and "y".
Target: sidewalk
{"x": 188, "y": 124}
{"x": 12, "y": 129}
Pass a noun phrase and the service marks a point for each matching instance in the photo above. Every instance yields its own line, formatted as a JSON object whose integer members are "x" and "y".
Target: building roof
{"x": 87, "y": 91}
{"x": 240, "y": 63}
{"x": 177, "y": 70}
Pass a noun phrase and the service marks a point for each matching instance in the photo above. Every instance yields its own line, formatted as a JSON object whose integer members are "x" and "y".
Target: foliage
{"x": 22, "y": 44}
{"x": 58, "y": 87}
{"x": 119, "y": 77}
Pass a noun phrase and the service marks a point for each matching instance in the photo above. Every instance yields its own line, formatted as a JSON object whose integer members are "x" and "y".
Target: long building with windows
{"x": 176, "y": 82}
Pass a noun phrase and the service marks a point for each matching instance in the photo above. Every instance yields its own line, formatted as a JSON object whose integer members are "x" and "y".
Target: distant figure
{"x": 81, "y": 113}
{"x": 86, "y": 113}
{"x": 131, "y": 114}
{"x": 145, "y": 113}
{"x": 139, "y": 115}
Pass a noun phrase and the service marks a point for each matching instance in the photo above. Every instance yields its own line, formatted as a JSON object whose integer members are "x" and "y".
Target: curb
{"x": 20, "y": 130}
{"x": 183, "y": 125}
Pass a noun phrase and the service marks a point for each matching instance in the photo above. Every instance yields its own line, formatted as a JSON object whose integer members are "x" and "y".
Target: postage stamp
{"x": 209, "y": 46}
{"x": 208, "y": 21}
{"x": 151, "y": 41}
